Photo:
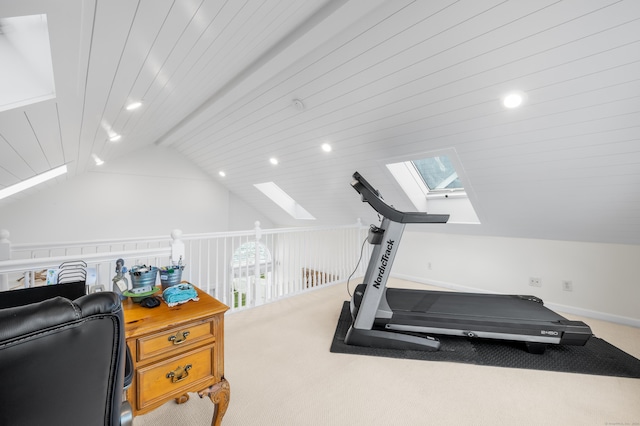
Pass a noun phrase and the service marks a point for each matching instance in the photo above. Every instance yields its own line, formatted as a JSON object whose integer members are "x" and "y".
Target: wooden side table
{"x": 177, "y": 350}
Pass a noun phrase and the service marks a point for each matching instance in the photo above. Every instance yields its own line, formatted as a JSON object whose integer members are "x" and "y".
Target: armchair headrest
{"x": 26, "y": 319}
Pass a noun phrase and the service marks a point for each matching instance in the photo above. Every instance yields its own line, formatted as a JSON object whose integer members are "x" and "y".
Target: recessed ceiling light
{"x": 513, "y": 99}
{"x": 222, "y": 173}
{"x": 133, "y": 105}
{"x": 326, "y": 147}
{"x": 273, "y": 161}
{"x": 115, "y": 137}
{"x": 98, "y": 161}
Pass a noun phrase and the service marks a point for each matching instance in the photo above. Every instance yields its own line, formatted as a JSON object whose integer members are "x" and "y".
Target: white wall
{"x": 148, "y": 193}
{"x": 243, "y": 217}
{"x": 605, "y": 277}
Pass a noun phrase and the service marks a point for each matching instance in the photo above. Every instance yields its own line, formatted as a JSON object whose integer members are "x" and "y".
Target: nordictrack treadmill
{"x": 401, "y": 318}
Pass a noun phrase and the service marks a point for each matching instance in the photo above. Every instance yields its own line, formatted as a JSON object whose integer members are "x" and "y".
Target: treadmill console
{"x": 372, "y": 196}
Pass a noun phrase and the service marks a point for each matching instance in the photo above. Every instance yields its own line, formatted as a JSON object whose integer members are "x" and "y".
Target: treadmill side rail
{"x": 390, "y": 340}
{"x": 576, "y": 333}
{"x": 515, "y": 337}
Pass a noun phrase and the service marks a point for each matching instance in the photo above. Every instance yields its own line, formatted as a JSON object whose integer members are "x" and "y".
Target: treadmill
{"x": 396, "y": 318}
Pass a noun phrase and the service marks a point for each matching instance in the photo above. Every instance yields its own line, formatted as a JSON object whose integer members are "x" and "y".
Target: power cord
{"x": 357, "y": 264}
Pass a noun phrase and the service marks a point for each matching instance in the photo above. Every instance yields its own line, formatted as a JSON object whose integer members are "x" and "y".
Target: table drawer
{"x": 175, "y": 376}
{"x": 174, "y": 339}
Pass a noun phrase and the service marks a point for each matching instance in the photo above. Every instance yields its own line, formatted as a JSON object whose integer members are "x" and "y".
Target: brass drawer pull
{"x": 179, "y": 373}
{"x": 179, "y": 337}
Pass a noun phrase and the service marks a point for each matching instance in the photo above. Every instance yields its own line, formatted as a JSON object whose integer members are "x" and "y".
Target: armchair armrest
{"x": 126, "y": 412}
{"x": 128, "y": 369}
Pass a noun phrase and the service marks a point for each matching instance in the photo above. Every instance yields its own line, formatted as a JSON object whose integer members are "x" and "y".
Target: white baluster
{"x": 256, "y": 264}
{"x": 5, "y": 254}
{"x": 177, "y": 247}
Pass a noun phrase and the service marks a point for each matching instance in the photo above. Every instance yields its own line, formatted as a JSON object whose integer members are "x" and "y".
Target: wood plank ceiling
{"x": 379, "y": 81}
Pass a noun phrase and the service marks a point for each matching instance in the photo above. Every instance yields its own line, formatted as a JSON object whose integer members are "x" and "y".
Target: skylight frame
{"x": 284, "y": 200}
{"x": 460, "y": 203}
{"x": 32, "y": 181}
{"x": 26, "y": 46}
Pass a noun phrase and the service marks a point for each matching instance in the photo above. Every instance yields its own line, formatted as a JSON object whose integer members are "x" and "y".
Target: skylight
{"x": 434, "y": 183}
{"x": 26, "y": 74}
{"x": 282, "y": 199}
{"x": 36, "y": 180}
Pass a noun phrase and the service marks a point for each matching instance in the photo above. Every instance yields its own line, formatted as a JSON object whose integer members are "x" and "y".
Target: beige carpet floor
{"x": 281, "y": 373}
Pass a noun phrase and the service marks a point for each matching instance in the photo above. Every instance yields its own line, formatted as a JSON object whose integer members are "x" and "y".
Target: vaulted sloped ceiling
{"x": 379, "y": 80}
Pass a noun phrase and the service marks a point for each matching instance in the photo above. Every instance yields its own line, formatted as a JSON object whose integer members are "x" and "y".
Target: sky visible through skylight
{"x": 438, "y": 173}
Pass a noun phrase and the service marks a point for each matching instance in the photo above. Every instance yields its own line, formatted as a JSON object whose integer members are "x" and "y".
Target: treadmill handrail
{"x": 372, "y": 196}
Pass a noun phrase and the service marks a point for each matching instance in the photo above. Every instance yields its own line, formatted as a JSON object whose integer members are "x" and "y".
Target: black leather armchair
{"x": 64, "y": 362}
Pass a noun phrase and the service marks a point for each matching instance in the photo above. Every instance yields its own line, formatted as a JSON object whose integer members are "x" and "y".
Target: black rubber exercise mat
{"x": 596, "y": 357}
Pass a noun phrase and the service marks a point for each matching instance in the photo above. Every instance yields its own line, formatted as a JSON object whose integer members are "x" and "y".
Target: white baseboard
{"x": 633, "y": 322}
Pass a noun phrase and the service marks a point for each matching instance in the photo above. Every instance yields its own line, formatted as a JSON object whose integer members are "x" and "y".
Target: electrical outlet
{"x": 567, "y": 285}
{"x": 535, "y": 282}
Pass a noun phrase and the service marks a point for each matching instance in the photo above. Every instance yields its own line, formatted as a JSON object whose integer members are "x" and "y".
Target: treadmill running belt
{"x": 460, "y": 305}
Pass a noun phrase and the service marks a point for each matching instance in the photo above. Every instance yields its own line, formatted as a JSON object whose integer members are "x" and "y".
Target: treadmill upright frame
{"x": 374, "y": 304}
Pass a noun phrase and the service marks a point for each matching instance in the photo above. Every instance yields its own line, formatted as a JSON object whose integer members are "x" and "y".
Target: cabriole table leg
{"x": 220, "y": 394}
